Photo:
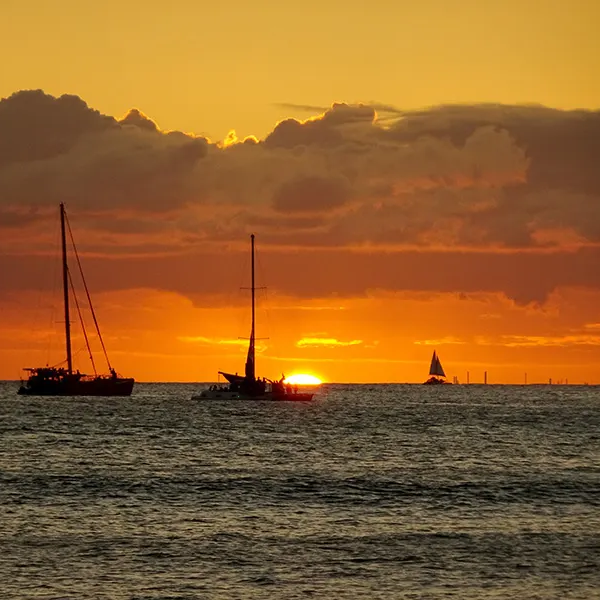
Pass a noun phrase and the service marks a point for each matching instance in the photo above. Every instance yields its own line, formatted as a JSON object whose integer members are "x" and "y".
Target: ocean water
{"x": 371, "y": 491}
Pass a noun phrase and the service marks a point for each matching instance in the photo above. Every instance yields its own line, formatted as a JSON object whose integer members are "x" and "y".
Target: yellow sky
{"x": 208, "y": 67}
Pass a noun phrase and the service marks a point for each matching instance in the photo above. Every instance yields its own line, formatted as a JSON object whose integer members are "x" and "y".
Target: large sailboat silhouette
{"x": 64, "y": 381}
{"x": 248, "y": 386}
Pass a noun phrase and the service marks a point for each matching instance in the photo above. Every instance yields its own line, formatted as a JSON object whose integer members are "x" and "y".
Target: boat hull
{"x": 435, "y": 381}
{"x": 99, "y": 386}
{"x": 267, "y": 397}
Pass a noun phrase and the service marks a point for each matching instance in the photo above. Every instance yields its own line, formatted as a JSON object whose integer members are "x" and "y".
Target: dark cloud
{"x": 36, "y": 126}
{"x": 15, "y": 217}
{"x": 526, "y": 278}
{"x": 311, "y": 195}
{"x": 291, "y": 133}
{"x": 323, "y": 130}
{"x": 453, "y": 177}
{"x": 59, "y": 150}
{"x": 343, "y": 114}
{"x": 563, "y": 145}
{"x": 286, "y": 222}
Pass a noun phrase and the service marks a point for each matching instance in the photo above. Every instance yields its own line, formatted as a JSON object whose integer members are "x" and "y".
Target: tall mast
{"x": 65, "y": 274}
{"x": 250, "y": 367}
{"x": 252, "y": 332}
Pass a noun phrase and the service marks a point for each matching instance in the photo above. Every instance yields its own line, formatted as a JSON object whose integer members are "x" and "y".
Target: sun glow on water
{"x": 303, "y": 379}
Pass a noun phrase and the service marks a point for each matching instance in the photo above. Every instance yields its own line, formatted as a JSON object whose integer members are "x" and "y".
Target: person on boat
{"x": 113, "y": 373}
{"x": 295, "y": 388}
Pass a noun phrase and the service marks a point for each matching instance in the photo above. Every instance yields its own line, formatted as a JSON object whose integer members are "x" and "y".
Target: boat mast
{"x": 65, "y": 274}
{"x": 252, "y": 332}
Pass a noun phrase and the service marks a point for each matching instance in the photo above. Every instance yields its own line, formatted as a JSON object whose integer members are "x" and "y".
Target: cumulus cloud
{"x": 449, "y": 179}
{"x": 66, "y": 152}
{"x": 462, "y": 176}
{"x": 139, "y": 119}
{"x": 331, "y": 128}
{"x": 35, "y": 126}
{"x": 562, "y": 145}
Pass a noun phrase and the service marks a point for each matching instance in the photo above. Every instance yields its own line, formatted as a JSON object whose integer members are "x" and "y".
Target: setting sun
{"x": 302, "y": 379}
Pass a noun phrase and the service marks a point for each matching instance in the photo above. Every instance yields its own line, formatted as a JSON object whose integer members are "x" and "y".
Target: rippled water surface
{"x": 371, "y": 491}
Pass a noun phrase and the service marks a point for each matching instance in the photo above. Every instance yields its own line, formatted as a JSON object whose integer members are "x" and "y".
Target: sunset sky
{"x": 419, "y": 176}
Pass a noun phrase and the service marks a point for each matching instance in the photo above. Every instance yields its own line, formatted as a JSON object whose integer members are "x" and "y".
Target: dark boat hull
{"x": 100, "y": 386}
{"x": 229, "y": 394}
{"x": 242, "y": 388}
{"x": 435, "y": 381}
{"x": 299, "y": 397}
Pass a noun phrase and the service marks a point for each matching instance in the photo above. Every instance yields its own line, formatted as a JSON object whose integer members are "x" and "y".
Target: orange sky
{"x": 409, "y": 185}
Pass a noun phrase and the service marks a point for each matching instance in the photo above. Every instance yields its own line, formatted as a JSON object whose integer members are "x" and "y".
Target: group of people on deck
{"x": 258, "y": 387}
{"x": 279, "y": 387}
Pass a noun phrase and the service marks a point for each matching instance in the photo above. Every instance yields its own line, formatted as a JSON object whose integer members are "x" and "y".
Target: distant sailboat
{"x": 64, "y": 381}
{"x": 436, "y": 371}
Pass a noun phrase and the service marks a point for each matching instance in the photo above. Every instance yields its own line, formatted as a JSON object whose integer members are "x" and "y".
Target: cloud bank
{"x": 432, "y": 188}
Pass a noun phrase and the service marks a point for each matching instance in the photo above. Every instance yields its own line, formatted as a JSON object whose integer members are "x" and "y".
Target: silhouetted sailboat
{"x": 248, "y": 386}
{"x": 61, "y": 381}
{"x": 436, "y": 371}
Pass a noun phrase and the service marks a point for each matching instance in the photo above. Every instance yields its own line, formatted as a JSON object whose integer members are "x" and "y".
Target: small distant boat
{"x": 248, "y": 386}
{"x": 436, "y": 371}
{"x": 64, "y": 381}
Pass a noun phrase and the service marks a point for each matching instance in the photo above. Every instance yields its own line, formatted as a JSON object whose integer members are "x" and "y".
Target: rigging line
{"x": 87, "y": 342}
{"x": 88, "y": 294}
